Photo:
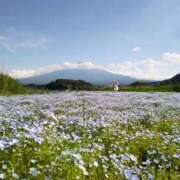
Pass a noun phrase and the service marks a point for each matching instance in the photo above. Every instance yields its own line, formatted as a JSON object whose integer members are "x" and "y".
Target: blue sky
{"x": 124, "y": 36}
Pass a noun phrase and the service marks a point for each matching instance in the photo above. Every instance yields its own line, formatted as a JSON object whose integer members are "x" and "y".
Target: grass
{"x": 84, "y": 152}
{"x": 9, "y": 86}
{"x": 137, "y": 149}
{"x": 147, "y": 88}
{"x": 144, "y": 88}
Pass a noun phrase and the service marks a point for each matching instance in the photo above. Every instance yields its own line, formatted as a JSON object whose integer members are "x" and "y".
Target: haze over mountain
{"x": 94, "y": 76}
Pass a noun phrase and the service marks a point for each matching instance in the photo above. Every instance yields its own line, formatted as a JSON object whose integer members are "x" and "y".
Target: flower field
{"x": 90, "y": 135}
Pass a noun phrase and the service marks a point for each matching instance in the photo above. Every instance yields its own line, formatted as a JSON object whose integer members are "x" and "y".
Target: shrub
{"x": 176, "y": 88}
{"x": 9, "y": 86}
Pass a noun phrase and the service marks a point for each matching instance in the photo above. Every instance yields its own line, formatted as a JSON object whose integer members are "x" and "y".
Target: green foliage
{"x": 100, "y": 153}
{"x": 66, "y": 84}
{"x": 176, "y": 88}
{"x": 9, "y": 86}
{"x": 170, "y": 85}
{"x": 35, "y": 89}
{"x": 149, "y": 88}
{"x": 106, "y": 88}
{"x": 173, "y": 81}
{"x": 139, "y": 83}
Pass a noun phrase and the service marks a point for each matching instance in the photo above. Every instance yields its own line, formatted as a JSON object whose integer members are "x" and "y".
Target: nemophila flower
{"x": 125, "y": 157}
{"x": 33, "y": 171}
{"x": 132, "y": 158}
{"x": 3, "y": 144}
{"x": 168, "y": 165}
{"x": 177, "y": 156}
{"x": 129, "y": 174}
{"x": 117, "y": 133}
{"x": 147, "y": 162}
{"x": 150, "y": 176}
{"x": 75, "y": 136}
{"x": 15, "y": 176}
{"x": 13, "y": 141}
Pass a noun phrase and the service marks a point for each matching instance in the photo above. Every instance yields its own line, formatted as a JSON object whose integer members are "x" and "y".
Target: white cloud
{"x": 52, "y": 68}
{"x": 136, "y": 49}
{"x": 171, "y": 58}
{"x": 149, "y": 68}
{"x": 22, "y": 73}
{"x": 12, "y": 44}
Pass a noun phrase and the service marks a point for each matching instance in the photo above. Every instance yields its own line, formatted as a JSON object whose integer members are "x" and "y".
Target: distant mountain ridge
{"x": 94, "y": 76}
{"x": 175, "y": 80}
{"x": 65, "y": 84}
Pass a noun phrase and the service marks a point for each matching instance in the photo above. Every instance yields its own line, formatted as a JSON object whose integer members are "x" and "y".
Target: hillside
{"x": 66, "y": 84}
{"x": 169, "y": 85}
{"x": 93, "y": 76}
{"x": 173, "y": 81}
{"x": 9, "y": 86}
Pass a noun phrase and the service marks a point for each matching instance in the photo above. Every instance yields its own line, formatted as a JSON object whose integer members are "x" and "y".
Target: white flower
{"x": 95, "y": 164}
{"x": 83, "y": 169}
{"x": 33, "y": 160}
{"x": 2, "y": 175}
{"x": 33, "y": 171}
{"x": 133, "y": 158}
{"x": 4, "y": 166}
{"x": 14, "y": 175}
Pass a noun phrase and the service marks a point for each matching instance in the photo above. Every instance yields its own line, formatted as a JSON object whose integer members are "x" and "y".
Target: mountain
{"x": 94, "y": 76}
{"x": 173, "y": 81}
{"x": 64, "y": 84}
